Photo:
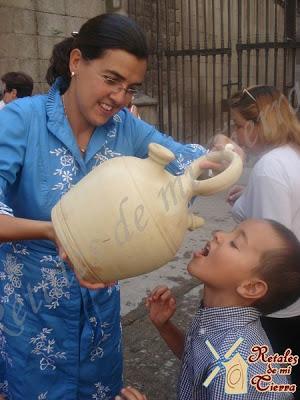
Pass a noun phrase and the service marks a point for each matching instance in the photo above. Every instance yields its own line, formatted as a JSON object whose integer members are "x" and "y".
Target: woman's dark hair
{"x": 98, "y": 34}
{"x": 280, "y": 269}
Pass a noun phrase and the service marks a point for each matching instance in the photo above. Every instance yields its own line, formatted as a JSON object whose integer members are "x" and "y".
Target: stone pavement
{"x": 149, "y": 364}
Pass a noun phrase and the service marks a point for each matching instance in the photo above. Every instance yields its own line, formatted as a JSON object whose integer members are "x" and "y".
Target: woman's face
{"x": 103, "y": 86}
{"x": 245, "y": 132}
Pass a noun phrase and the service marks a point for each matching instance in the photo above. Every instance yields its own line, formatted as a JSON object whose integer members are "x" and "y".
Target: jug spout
{"x": 194, "y": 222}
{"x": 160, "y": 154}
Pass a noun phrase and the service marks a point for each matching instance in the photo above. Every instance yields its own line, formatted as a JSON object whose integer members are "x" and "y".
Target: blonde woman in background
{"x": 267, "y": 127}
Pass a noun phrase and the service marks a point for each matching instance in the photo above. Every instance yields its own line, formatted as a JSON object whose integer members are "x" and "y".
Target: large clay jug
{"x": 128, "y": 216}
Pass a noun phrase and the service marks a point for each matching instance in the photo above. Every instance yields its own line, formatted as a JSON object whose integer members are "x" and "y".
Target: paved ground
{"x": 149, "y": 364}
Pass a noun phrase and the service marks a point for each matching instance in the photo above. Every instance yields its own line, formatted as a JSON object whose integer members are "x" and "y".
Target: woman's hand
{"x": 94, "y": 286}
{"x": 234, "y": 193}
{"x": 219, "y": 142}
{"x": 131, "y": 393}
{"x": 161, "y": 305}
{"x": 51, "y": 235}
{"x": 211, "y": 165}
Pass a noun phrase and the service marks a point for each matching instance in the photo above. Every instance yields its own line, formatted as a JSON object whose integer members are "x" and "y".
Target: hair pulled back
{"x": 266, "y": 106}
{"x": 98, "y": 34}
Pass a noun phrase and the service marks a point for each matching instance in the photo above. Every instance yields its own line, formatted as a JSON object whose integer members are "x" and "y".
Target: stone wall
{"x": 30, "y": 28}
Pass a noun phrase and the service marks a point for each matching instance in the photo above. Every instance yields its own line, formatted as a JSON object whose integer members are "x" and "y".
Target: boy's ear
{"x": 252, "y": 289}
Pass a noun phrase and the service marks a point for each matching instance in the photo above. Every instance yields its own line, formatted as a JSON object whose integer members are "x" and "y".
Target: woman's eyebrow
{"x": 120, "y": 77}
{"x": 115, "y": 73}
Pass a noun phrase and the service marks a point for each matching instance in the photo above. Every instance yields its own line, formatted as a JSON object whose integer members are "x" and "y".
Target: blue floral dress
{"x": 59, "y": 340}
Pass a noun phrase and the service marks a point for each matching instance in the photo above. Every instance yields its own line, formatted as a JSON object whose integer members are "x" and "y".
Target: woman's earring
{"x": 72, "y": 74}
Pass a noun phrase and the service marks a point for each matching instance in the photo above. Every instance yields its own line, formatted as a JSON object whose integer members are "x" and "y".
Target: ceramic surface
{"x": 138, "y": 222}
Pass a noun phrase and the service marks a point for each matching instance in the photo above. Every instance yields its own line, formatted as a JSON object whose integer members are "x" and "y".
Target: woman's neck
{"x": 79, "y": 125}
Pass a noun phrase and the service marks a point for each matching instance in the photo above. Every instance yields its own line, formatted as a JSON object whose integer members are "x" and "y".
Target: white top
{"x": 273, "y": 192}
{"x": 2, "y": 104}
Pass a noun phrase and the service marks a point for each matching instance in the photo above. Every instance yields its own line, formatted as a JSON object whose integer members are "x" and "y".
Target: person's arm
{"x": 173, "y": 337}
{"x": 13, "y": 228}
{"x": 130, "y": 393}
{"x": 162, "y": 306}
{"x": 142, "y": 134}
{"x": 14, "y": 133}
{"x": 220, "y": 140}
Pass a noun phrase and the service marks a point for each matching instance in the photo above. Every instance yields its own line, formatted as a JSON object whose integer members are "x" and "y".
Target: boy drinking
{"x": 225, "y": 354}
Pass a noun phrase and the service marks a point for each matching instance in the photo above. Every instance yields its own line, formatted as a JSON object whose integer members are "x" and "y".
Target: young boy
{"x": 253, "y": 270}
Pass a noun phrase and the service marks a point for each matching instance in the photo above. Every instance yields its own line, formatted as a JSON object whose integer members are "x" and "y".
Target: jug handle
{"x": 221, "y": 181}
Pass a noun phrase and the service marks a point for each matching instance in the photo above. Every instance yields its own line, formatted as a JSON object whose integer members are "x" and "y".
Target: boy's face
{"x": 233, "y": 256}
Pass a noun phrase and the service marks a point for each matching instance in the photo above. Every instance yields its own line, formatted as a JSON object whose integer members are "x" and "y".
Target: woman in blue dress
{"x": 60, "y": 338}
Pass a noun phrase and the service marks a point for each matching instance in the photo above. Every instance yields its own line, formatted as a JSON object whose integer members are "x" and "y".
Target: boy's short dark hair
{"x": 20, "y": 81}
{"x": 280, "y": 269}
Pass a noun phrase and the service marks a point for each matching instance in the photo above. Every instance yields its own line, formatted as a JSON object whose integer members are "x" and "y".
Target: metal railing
{"x": 204, "y": 50}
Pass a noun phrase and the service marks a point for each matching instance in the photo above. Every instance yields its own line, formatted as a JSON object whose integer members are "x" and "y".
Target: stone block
{"x": 114, "y": 6}
{"x": 24, "y": 21}
{"x": 51, "y": 24}
{"x": 9, "y": 64}
{"x": 31, "y": 67}
{"x": 20, "y": 46}
{"x": 51, "y": 6}
{"x": 85, "y": 9}
{"x": 25, "y": 4}
{"x": 17, "y": 20}
{"x": 43, "y": 66}
{"x": 40, "y": 88}
{"x": 46, "y": 44}
{"x": 74, "y": 24}
{"x": 6, "y": 20}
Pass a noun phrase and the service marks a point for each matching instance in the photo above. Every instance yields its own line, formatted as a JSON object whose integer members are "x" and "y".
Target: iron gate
{"x": 204, "y": 50}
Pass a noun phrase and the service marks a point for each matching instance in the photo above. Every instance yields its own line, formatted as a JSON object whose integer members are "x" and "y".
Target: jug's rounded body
{"x": 127, "y": 217}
